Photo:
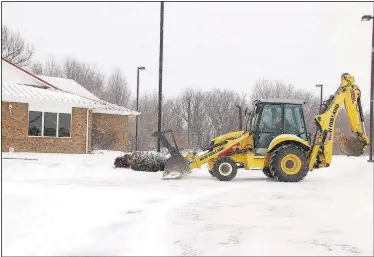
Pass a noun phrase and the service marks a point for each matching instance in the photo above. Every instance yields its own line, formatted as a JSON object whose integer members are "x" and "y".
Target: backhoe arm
{"x": 348, "y": 94}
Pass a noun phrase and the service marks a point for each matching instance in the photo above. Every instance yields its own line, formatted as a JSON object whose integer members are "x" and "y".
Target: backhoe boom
{"x": 348, "y": 94}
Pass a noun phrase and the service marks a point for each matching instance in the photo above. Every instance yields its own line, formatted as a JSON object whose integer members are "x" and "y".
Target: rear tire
{"x": 212, "y": 173}
{"x": 225, "y": 169}
{"x": 267, "y": 172}
{"x": 289, "y": 163}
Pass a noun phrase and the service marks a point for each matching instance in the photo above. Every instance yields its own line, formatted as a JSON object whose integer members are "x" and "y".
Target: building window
{"x": 64, "y": 124}
{"x": 49, "y": 124}
{"x": 35, "y": 123}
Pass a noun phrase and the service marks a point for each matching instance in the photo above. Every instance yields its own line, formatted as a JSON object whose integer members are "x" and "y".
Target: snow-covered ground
{"x": 80, "y": 205}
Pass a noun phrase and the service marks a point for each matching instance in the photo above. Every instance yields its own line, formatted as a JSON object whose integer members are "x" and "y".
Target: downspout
{"x": 88, "y": 112}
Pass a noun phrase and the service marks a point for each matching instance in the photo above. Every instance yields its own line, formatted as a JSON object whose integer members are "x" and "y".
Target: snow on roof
{"x": 71, "y": 86}
{"x": 109, "y": 108}
{"x": 48, "y": 89}
{"x": 26, "y": 94}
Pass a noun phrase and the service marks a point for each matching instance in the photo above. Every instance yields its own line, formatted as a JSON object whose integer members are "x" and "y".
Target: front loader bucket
{"x": 176, "y": 166}
{"x": 350, "y": 146}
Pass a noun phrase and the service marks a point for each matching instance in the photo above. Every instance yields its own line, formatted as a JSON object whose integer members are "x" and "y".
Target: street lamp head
{"x": 319, "y": 85}
{"x": 366, "y": 18}
{"x": 141, "y": 68}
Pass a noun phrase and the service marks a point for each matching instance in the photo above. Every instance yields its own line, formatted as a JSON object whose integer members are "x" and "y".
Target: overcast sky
{"x": 206, "y": 45}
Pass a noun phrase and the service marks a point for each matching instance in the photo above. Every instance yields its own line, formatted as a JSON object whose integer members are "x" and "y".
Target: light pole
{"x": 321, "y": 86}
{"x": 368, "y": 18}
{"x": 137, "y": 106}
{"x": 160, "y": 73}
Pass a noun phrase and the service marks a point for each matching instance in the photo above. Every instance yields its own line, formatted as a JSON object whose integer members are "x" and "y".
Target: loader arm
{"x": 178, "y": 166}
{"x": 349, "y": 95}
{"x": 218, "y": 150}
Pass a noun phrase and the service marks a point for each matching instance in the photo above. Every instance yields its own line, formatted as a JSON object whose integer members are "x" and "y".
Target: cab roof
{"x": 280, "y": 101}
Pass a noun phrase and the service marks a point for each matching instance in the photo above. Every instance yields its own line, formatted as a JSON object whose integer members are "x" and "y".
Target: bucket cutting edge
{"x": 176, "y": 167}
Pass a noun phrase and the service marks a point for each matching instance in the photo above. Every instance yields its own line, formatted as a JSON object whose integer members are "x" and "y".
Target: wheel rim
{"x": 291, "y": 164}
{"x": 225, "y": 169}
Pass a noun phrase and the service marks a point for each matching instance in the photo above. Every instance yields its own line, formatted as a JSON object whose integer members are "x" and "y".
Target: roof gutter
{"x": 46, "y": 101}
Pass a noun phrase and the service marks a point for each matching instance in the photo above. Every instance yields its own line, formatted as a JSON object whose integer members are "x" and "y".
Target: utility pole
{"x": 368, "y": 18}
{"x": 137, "y": 107}
{"x": 160, "y": 73}
{"x": 188, "y": 121}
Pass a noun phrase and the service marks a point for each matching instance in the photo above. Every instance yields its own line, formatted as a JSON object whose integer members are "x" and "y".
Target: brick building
{"x": 56, "y": 115}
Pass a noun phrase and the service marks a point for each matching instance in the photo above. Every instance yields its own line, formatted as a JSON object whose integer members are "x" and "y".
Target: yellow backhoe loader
{"x": 276, "y": 140}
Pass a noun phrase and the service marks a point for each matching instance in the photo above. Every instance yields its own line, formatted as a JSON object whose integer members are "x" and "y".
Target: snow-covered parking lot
{"x": 80, "y": 205}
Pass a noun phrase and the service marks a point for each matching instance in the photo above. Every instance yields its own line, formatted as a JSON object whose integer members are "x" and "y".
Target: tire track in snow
{"x": 153, "y": 231}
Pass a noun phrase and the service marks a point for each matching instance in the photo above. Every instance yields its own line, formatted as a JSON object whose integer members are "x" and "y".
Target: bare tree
{"x": 14, "y": 48}
{"x": 98, "y": 84}
{"x": 118, "y": 91}
{"x": 272, "y": 89}
{"x": 36, "y": 68}
{"x": 147, "y": 121}
{"x": 199, "y": 125}
{"x": 211, "y": 113}
{"x": 84, "y": 74}
{"x": 52, "y": 68}
{"x": 172, "y": 119}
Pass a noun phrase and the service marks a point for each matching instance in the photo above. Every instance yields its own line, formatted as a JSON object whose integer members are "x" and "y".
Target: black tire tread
{"x": 219, "y": 175}
{"x": 267, "y": 172}
{"x": 287, "y": 178}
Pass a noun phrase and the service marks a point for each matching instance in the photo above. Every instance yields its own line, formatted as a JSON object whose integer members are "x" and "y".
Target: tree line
{"x": 195, "y": 116}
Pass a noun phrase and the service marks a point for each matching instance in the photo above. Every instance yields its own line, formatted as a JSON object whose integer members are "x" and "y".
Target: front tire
{"x": 212, "y": 173}
{"x": 225, "y": 169}
{"x": 289, "y": 163}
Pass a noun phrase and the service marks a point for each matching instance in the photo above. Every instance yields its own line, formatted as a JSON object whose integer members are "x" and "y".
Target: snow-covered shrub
{"x": 123, "y": 161}
{"x": 163, "y": 151}
{"x": 151, "y": 161}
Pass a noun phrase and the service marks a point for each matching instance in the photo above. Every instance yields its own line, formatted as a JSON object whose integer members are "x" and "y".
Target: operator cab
{"x": 273, "y": 117}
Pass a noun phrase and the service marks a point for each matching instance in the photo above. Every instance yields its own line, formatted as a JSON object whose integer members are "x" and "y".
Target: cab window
{"x": 271, "y": 119}
{"x": 294, "y": 121}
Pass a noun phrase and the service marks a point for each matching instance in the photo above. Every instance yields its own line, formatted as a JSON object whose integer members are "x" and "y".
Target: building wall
{"x": 111, "y": 131}
{"x": 14, "y": 133}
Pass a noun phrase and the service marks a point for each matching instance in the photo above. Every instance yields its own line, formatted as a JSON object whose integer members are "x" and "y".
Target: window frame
{"x": 301, "y": 118}
{"x": 260, "y": 113}
{"x": 53, "y": 110}
{"x": 58, "y": 123}
{"x": 28, "y": 122}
